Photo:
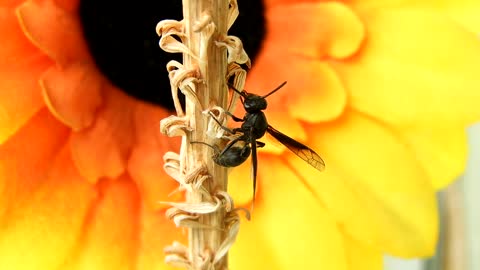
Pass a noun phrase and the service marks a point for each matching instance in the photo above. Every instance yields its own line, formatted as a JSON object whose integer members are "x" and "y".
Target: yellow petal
{"x": 110, "y": 236}
{"x": 155, "y": 233}
{"x": 293, "y": 228}
{"x": 416, "y": 70}
{"x": 362, "y": 257}
{"x": 442, "y": 152}
{"x": 46, "y": 229}
{"x": 240, "y": 185}
{"x": 384, "y": 173}
{"x": 465, "y": 12}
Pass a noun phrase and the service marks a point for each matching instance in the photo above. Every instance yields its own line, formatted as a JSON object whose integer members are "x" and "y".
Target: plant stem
{"x": 211, "y": 61}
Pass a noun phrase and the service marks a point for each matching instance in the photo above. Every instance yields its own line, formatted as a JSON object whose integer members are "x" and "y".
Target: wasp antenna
{"x": 241, "y": 93}
{"x": 275, "y": 90}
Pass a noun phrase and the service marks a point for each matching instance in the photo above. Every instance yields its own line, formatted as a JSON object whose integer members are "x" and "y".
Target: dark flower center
{"x": 122, "y": 39}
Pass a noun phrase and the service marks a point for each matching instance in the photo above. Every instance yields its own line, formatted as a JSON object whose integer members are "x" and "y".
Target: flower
{"x": 80, "y": 162}
{"x": 383, "y": 91}
{"x": 82, "y": 192}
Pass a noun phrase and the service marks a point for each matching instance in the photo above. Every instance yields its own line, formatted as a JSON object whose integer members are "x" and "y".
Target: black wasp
{"x": 254, "y": 126}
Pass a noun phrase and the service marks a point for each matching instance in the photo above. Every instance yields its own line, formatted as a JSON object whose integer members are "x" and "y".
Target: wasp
{"x": 254, "y": 126}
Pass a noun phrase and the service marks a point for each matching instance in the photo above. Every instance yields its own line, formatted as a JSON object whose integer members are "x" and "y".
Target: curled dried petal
{"x": 235, "y": 50}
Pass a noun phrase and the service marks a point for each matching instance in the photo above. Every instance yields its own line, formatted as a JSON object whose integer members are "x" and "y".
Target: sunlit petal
{"x": 105, "y": 246}
{"x": 407, "y": 80}
{"x": 381, "y": 170}
{"x": 287, "y": 213}
{"x": 442, "y": 152}
{"x": 49, "y": 225}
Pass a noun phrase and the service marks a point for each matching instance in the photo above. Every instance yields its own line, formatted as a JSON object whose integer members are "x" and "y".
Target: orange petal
{"x": 26, "y": 157}
{"x": 44, "y": 230}
{"x": 322, "y": 98}
{"x": 272, "y": 3}
{"x": 16, "y": 50}
{"x": 411, "y": 75}
{"x": 146, "y": 159}
{"x": 383, "y": 171}
{"x": 110, "y": 235}
{"x": 45, "y": 23}
{"x": 156, "y": 232}
{"x": 102, "y": 150}
{"x": 313, "y": 91}
{"x": 315, "y": 30}
{"x": 64, "y": 95}
{"x": 20, "y": 66}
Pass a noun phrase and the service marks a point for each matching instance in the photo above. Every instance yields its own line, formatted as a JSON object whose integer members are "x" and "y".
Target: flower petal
{"x": 324, "y": 87}
{"x": 246, "y": 255}
{"x": 240, "y": 184}
{"x": 442, "y": 152}
{"x": 62, "y": 91}
{"x": 156, "y": 232}
{"x": 315, "y": 30}
{"x": 409, "y": 75}
{"x": 293, "y": 223}
{"x": 50, "y": 222}
{"x": 146, "y": 159}
{"x": 360, "y": 257}
{"x": 110, "y": 236}
{"x": 20, "y": 66}
{"x": 464, "y": 12}
{"x": 395, "y": 191}
{"x": 45, "y": 23}
{"x": 26, "y": 157}
{"x": 103, "y": 149}
{"x": 313, "y": 91}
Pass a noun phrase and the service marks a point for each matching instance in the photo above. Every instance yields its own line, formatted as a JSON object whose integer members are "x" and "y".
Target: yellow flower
{"x": 381, "y": 91}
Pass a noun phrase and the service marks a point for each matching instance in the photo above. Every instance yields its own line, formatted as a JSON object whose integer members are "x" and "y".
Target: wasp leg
{"x": 222, "y": 126}
{"x": 214, "y": 147}
{"x": 230, "y": 144}
{"x": 235, "y": 118}
{"x": 260, "y": 144}
{"x": 253, "y": 142}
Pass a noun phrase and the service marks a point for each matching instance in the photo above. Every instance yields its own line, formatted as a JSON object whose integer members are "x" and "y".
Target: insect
{"x": 231, "y": 156}
{"x": 254, "y": 126}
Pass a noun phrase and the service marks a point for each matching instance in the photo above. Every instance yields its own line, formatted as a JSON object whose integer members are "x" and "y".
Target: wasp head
{"x": 254, "y": 103}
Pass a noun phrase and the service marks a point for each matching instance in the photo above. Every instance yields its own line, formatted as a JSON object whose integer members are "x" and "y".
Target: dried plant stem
{"x": 201, "y": 17}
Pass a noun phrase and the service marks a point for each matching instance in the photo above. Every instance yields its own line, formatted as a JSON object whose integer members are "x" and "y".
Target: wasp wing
{"x": 301, "y": 150}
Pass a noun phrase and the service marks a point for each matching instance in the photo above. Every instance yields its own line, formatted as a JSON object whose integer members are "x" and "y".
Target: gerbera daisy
{"x": 79, "y": 160}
